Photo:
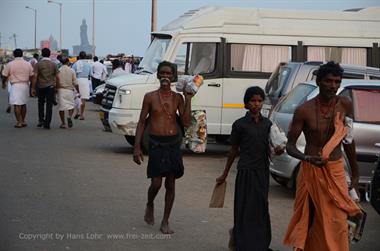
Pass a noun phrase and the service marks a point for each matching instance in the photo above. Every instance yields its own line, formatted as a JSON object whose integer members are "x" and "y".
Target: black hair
{"x": 82, "y": 55}
{"x": 172, "y": 66}
{"x": 166, "y": 63}
{"x": 65, "y": 60}
{"x": 45, "y": 52}
{"x": 95, "y": 58}
{"x": 253, "y": 90}
{"x": 35, "y": 55}
{"x": 17, "y": 53}
{"x": 329, "y": 68}
{"x": 116, "y": 63}
{"x": 101, "y": 61}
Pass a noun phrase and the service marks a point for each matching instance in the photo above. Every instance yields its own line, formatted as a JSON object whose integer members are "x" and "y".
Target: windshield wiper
{"x": 141, "y": 70}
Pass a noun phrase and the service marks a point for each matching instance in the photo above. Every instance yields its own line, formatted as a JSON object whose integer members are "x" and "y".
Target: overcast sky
{"x": 122, "y": 26}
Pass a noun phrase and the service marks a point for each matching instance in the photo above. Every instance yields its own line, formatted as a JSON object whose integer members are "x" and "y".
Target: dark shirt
{"x": 47, "y": 71}
{"x": 253, "y": 141}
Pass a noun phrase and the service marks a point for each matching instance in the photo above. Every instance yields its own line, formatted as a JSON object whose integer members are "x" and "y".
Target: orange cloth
{"x": 339, "y": 134}
{"x": 325, "y": 190}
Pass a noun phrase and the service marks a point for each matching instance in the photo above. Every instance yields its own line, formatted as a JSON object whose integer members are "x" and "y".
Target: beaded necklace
{"x": 164, "y": 105}
{"x": 323, "y": 135}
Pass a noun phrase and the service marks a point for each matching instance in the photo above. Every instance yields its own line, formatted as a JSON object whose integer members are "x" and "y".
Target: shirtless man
{"x": 322, "y": 202}
{"x": 165, "y": 158}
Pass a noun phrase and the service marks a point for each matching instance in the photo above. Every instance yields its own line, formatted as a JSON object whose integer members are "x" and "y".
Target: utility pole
{"x": 93, "y": 28}
{"x": 35, "y": 25}
{"x": 14, "y": 39}
{"x": 153, "y": 18}
{"x": 0, "y": 39}
{"x": 60, "y": 22}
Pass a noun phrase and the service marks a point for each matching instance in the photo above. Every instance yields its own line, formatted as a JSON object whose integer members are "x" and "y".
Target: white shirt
{"x": 98, "y": 70}
{"x": 118, "y": 72}
{"x": 128, "y": 67}
{"x": 104, "y": 74}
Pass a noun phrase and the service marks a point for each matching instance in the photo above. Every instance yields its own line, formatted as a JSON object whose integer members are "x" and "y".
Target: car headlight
{"x": 124, "y": 92}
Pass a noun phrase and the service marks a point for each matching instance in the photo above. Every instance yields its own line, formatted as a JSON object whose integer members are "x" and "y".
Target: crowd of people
{"x": 322, "y": 203}
{"x": 55, "y": 82}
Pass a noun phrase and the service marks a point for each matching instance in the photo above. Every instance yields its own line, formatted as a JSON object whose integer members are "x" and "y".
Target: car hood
{"x": 130, "y": 79}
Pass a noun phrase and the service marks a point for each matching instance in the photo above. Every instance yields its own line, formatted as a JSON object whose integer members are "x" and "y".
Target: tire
{"x": 293, "y": 181}
{"x": 130, "y": 139}
{"x": 144, "y": 145}
{"x": 280, "y": 180}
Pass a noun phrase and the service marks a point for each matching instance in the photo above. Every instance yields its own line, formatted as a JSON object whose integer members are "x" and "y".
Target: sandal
{"x": 18, "y": 126}
{"x": 81, "y": 118}
{"x": 24, "y": 124}
{"x": 69, "y": 122}
{"x": 62, "y": 126}
{"x": 76, "y": 116}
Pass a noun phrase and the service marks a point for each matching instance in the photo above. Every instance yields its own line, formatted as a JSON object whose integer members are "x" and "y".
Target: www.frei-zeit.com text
{"x": 92, "y": 236}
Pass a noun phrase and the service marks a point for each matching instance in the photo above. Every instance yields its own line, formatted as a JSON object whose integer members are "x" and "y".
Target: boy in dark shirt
{"x": 250, "y": 136}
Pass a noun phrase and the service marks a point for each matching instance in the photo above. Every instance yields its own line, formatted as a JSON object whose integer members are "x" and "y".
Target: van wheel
{"x": 144, "y": 145}
{"x": 130, "y": 139}
{"x": 293, "y": 181}
{"x": 280, "y": 180}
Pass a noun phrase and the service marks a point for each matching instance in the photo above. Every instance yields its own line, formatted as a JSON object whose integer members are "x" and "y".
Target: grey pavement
{"x": 78, "y": 189}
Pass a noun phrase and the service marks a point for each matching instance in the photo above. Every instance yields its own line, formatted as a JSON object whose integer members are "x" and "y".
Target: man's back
{"x": 97, "y": 70}
{"x": 82, "y": 68}
{"x": 18, "y": 70}
{"x": 67, "y": 78}
{"x": 47, "y": 71}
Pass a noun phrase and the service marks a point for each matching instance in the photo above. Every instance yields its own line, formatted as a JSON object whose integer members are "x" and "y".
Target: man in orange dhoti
{"x": 322, "y": 202}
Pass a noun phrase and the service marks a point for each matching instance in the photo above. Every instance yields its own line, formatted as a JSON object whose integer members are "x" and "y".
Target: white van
{"x": 234, "y": 48}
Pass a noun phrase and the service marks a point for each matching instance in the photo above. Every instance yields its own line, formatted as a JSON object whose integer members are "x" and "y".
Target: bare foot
{"x": 165, "y": 229}
{"x": 149, "y": 214}
{"x": 231, "y": 242}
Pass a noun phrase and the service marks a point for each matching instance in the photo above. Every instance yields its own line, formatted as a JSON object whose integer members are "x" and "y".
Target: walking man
{"x": 165, "y": 138}
{"x": 45, "y": 78}
{"x": 20, "y": 73}
{"x": 322, "y": 202}
{"x": 98, "y": 71}
{"x": 83, "y": 71}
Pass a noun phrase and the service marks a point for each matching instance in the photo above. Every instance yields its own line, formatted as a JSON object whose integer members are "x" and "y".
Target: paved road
{"x": 78, "y": 189}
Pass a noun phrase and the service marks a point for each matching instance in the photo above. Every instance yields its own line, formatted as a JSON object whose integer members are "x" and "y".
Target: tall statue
{"x": 84, "y": 43}
{"x": 83, "y": 33}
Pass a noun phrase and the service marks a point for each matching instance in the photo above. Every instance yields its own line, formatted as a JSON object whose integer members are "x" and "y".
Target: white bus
{"x": 234, "y": 48}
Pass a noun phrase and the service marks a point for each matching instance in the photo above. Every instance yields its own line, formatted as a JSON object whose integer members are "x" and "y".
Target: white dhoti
{"x": 84, "y": 88}
{"x": 19, "y": 94}
{"x": 9, "y": 87}
{"x": 65, "y": 99}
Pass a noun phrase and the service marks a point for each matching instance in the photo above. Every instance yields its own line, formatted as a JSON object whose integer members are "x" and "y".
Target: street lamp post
{"x": 93, "y": 27}
{"x": 60, "y": 22}
{"x": 35, "y": 25}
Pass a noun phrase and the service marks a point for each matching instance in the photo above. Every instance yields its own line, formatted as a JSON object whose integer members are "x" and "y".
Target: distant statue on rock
{"x": 83, "y": 33}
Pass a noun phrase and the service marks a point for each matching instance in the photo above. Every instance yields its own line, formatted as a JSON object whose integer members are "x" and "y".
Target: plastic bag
{"x": 196, "y": 133}
{"x": 190, "y": 84}
{"x": 277, "y": 137}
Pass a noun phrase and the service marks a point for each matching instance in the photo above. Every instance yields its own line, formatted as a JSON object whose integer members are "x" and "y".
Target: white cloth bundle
{"x": 349, "y": 123}
{"x": 277, "y": 137}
